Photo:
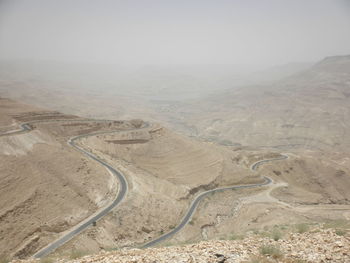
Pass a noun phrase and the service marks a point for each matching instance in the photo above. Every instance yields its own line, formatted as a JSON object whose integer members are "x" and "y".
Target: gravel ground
{"x": 316, "y": 246}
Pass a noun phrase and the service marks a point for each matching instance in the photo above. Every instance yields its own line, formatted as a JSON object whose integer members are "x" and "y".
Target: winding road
{"x": 192, "y": 208}
{"x": 26, "y": 127}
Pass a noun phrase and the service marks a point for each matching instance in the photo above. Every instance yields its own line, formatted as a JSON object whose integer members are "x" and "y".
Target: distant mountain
{"x": 310, "y": 110}
{"x": 279, "y": 72}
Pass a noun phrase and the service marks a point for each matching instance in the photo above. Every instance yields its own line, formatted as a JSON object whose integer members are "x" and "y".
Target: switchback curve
{"x": 192, "y": 208}
{"x": 121, "y": 193}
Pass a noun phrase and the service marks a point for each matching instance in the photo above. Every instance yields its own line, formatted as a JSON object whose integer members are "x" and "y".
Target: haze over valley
{"x": 174, "y": 132}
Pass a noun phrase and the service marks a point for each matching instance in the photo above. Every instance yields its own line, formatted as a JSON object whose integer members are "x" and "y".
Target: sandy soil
{"x": 164, "y": 172}
{"x": 296, "y": 196}
{"x": 46, "y": 186}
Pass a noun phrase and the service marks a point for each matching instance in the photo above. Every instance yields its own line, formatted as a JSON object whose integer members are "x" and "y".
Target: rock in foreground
{"x": 316, "y": 246}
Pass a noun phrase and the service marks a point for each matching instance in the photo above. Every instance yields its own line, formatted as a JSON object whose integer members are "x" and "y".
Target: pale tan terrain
{"x": 9, "y": 108}
{"x": 315, "y": 246}
{"x": 46, "y": 186}
{"x": 306, "y": 116}
{"x": 300, "y": 193}
{"x": 164, "y": 171}
{"x": 309, "y": 110}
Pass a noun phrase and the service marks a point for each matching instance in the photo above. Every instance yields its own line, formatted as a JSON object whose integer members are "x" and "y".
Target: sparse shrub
{"x": 276, "y": 234}
{"x": 111, "y": 248}
{"x": 264, "y": 234}
{"x": 256, "y": 232}
{"x": 46, "y": 260}
{"x": 316, "y": 230}
{"x": 77, "y": 254}
{"x": 302, "y": 228}
{"x": 191, "y": 223}
{"x": 340, "y": 232}
{"x": 4, "y": 259}
{"x": 337, "y": 224}
{"x": 235, "y": 237}
{"x": 271, "y": 250}
{"x": 284, "y": 227}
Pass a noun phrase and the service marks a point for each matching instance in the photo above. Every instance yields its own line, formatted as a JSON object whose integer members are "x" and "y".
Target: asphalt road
{"x": 187, "y": 218}
{"x": 25, "y": 127}
{"x": 123, "y": 190}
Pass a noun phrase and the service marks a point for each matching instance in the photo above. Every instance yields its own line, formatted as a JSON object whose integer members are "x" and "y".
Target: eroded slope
{"x": 46, "y": 186}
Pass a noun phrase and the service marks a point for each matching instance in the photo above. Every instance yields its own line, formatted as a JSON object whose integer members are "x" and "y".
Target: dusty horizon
{"x": 250, "y": 34}
{"x": 156, "y": 124}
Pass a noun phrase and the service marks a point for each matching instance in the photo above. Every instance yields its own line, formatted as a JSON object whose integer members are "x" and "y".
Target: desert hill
{"x": 309, "y": 110}
{"x": 165, "y": 171}
{"x": 315, "y": 244}
{"x": 81, "y": 88}
{"x": 48, "y": 187}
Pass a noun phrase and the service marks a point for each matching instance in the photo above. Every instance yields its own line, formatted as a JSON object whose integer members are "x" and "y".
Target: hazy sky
{"x": 175, "y": 31}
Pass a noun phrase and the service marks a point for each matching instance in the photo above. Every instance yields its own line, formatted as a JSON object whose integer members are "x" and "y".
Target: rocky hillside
{"x": 307, "y": 110}
{"x": 319, "y": 245}
{"x": 164, "y": 168}
{"x": 46, "y": 186}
